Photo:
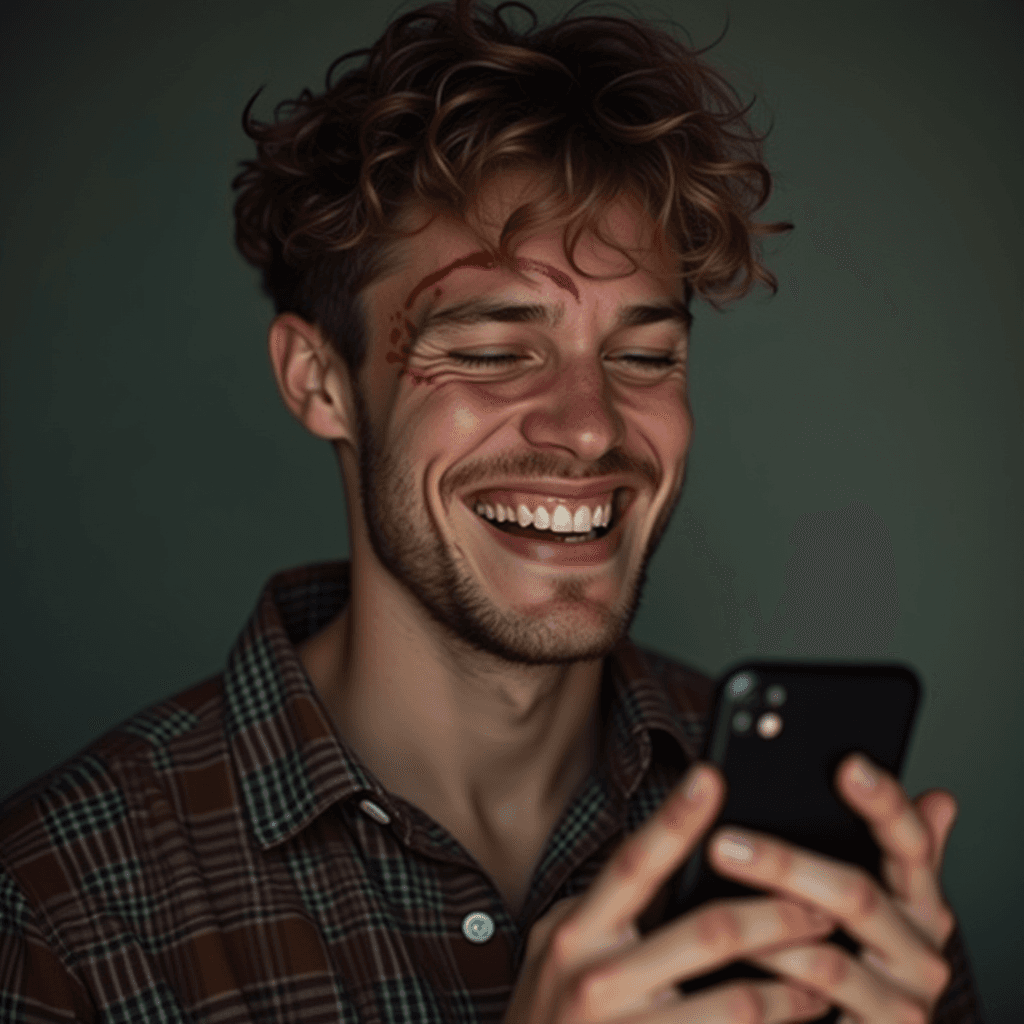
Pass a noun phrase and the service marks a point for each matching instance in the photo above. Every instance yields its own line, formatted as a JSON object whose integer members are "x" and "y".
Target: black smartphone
{"x": 778, "y": 732}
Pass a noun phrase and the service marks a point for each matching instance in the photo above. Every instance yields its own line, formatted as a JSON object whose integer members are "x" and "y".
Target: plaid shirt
{"x": 223, "y": 856}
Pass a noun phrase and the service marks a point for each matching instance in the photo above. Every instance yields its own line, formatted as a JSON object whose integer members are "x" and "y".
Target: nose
{"x": 575, "y": 413}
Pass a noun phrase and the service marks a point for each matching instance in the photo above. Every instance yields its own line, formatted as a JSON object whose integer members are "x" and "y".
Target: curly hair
{"x": 452, "y": 93}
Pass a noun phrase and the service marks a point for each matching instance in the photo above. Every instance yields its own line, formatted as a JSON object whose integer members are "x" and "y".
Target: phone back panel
{"x": 780, "y": 768}
{"x": 783, "y": 783}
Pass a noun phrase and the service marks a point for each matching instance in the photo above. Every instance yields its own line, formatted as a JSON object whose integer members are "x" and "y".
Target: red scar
{"x": 484, "y": 261}
{"x": 563, "y": 280}
{"x": 480, "y": 260}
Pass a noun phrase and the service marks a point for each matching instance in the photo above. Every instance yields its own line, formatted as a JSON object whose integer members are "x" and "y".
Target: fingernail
{"x": 698, "y": 789}
{"x": 733, "y": 846}
{"x": 863, "y": 774}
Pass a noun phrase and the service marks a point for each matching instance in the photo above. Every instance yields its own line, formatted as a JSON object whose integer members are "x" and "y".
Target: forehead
{"x": 445, "y": 254}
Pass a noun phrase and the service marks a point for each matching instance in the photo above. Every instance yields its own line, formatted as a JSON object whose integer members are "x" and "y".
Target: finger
{"x": 884, "y": 805}
{"x": 769, "y": 1002}
{"x": 842, "y": 980}
{"x": 635, "y": 872}
{"x": 912, "y": 843}
{"x": 533, "y": 961}
{"x": 938, "y": 809}
{"x": 709, "y": 937}
{"x": 540, "y": 933}
{"x": 847, "y": 892}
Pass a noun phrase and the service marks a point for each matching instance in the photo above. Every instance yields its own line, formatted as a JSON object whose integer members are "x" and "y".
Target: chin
{"x": 567, "y": 628}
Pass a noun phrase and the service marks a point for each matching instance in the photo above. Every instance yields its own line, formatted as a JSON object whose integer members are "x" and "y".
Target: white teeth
{"x": 561, "y": 521}
{"x": 582, "y": 522}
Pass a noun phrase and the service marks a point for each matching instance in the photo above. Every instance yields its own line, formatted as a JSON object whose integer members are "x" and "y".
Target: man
{"x": 438, "y": 782}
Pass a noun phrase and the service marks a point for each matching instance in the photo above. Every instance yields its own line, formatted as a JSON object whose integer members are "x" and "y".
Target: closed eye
{"x": 497, "y": 359}
{"x": 508, "y": 358}
{"x": 653, "y": 361}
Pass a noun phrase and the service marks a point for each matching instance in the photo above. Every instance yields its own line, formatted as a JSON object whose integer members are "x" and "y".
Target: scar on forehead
{"x": 484, "y": 261}
{"x": 560, "y": 278}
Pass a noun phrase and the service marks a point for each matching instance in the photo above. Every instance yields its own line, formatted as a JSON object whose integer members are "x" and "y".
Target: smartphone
{"x": 778, "y": 732}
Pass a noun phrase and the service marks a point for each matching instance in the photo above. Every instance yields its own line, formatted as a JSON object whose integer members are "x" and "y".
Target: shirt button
{"x": 372, "y": 810}
{"x": 478, "y": 927}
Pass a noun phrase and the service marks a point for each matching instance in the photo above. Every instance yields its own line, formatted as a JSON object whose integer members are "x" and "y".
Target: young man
{"x": 438, "y": 783}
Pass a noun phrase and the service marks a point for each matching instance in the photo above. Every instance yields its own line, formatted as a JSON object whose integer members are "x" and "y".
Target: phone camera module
{"x": 742, "y": 721}
{"x": 769, "y": 725}
{"x": 741, "y": 684}
{"x": 775, "y": 696}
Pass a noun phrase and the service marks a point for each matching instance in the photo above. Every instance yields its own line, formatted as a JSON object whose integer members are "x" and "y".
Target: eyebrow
{"x": 643, "y": 314}
{"x": 478, "y": 311}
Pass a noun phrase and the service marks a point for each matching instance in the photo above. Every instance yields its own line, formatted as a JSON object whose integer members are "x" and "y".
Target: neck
{"x": 496, "y": 745}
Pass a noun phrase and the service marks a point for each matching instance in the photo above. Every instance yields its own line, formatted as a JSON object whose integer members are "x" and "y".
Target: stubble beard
{"x": 408, "y": 546}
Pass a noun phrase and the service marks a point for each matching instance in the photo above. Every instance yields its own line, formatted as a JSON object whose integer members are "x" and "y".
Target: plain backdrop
{"x": 855, "y": 485}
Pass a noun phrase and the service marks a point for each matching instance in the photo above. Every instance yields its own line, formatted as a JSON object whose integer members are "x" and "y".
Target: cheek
{"x": 464, "y": 422}
{"x": 458, "y": 423}
{"x": 437, "y": 421}
{"x": 668, "y": 424}
{"x": 452, "y": 426}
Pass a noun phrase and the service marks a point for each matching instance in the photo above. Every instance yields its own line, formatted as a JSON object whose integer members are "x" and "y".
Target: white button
{"x": 371, "y": 810}
{"x": 477, "y": 927}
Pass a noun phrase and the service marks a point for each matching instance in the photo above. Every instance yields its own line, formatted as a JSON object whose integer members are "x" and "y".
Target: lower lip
{"x": 580, "y": 553}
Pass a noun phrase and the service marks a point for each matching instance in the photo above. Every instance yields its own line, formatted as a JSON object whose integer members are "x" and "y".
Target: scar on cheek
{"x": 402, "y": 332}
{"x": 399, "y": 339}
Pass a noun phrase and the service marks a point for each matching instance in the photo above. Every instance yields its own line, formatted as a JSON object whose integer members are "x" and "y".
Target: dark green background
{"x": 152, "y": 480}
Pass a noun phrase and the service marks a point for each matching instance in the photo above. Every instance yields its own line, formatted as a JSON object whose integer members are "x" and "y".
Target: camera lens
{"x": 775, "y": 696}
{"x": 742, "y": 721}
{"x": 741, "y": 684}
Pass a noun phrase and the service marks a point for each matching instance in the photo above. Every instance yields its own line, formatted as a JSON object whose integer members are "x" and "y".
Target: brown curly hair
{"x": 453, "y": 92}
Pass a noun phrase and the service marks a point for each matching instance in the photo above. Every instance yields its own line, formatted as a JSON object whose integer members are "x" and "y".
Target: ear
{"x": 313, "y": 379}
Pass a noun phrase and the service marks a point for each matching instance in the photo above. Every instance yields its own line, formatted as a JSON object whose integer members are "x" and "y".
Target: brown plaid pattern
{"x": 208, "y": 860}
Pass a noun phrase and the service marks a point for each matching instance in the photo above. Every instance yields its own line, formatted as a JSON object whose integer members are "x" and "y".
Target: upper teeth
{"x": 561, "y": 520}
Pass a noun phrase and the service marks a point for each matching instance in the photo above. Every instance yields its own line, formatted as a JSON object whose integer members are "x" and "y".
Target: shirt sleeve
{"x": 35, "y": 986}
{"x": 959, "y": 1003}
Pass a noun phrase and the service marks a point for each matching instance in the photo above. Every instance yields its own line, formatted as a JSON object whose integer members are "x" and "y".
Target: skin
{"x": 466, "y": 675}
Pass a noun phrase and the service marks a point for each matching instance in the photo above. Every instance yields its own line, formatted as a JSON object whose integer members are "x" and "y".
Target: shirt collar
{"x": 292, "y": 765}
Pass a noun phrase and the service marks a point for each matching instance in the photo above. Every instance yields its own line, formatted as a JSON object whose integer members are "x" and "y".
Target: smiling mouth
{"x": 562, "y": 524}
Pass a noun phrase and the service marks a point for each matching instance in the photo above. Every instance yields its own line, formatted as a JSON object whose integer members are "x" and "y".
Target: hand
{"x": 585, "y": 960}
{"x": 899, "y": 974}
